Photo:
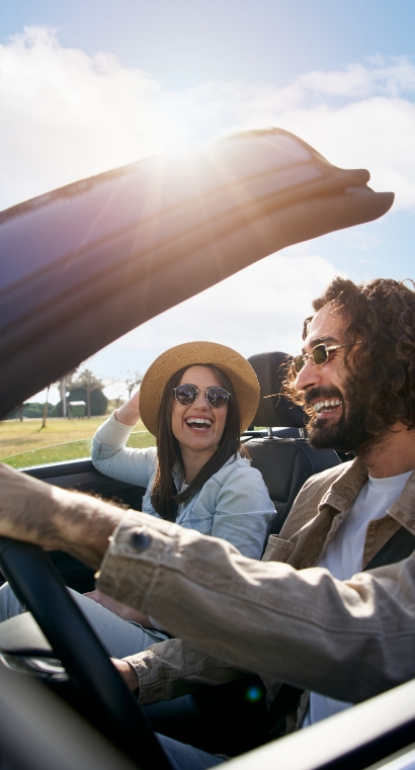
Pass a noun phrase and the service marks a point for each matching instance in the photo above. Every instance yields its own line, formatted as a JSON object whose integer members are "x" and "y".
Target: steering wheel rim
{"x": 33, "y": 576}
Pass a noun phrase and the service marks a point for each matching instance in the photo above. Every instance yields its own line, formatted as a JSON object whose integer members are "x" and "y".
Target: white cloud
{"x": 265, "y": 318}
{"x": 67, "y": 115}
{"x": 377, "y": 133}
{"x": 390, "y": 76}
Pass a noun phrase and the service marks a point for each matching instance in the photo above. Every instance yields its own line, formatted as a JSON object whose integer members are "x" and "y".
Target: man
{"x": 342, "y": 633}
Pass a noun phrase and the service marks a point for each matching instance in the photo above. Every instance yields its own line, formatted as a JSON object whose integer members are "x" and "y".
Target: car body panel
{"x": 67, "y": 743}
{"x": 87, "y": 263}
{"x": 353, "y": 739}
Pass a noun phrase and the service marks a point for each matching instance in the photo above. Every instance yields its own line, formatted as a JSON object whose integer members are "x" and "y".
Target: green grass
{"x": 26, "y": 443}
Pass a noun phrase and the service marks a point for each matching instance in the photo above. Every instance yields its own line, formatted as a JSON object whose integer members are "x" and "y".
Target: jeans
{"x": 119, "y": 637}
{"x": 185, "y": 757}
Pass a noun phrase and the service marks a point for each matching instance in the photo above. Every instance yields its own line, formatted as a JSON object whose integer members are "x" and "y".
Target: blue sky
{"x": 185, "y": 42}
{"x": 89, "y": 85}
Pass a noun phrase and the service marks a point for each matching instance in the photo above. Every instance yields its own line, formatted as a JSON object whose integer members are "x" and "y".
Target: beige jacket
{"x": 282, "y": 617}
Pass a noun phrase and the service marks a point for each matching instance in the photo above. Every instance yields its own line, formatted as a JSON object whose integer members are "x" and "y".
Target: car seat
{"x": 276, "y": 441}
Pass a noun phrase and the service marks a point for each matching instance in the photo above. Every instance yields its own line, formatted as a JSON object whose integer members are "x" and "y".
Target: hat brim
{"x": 235, "y": 366}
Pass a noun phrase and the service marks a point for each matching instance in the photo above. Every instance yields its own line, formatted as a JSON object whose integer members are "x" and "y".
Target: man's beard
{"x": 348, "y": 434}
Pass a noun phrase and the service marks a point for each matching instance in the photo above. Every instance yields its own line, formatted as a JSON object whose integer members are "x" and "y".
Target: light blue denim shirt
{"x": 233, "y": 504}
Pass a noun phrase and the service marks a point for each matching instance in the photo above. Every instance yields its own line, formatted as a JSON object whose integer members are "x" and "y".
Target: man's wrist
{"x": 54, "y": 518}
{"x": 83, "y": 525}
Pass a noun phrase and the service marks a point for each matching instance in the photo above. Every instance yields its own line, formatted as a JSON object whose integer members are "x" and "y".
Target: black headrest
{"x": 276, "y": 411}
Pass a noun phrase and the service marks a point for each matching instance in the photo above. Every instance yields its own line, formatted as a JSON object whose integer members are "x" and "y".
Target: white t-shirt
{"x": 344, "y": 556}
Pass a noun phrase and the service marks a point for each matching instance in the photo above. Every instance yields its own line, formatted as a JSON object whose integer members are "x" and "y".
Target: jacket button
{"x": 140, "y": 541}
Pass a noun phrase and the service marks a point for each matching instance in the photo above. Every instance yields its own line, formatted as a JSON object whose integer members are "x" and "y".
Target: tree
{"x": 88, "y": 382}
{"x": 132, "y": 381}
{"x": 63, "y": 385}
{"x": 30, "y": 410}
{"x": 86, "y": 387}
{"x": 45, "y": 408}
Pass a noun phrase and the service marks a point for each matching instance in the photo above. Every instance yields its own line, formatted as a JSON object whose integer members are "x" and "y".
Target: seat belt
{"x": 398, "y": 547}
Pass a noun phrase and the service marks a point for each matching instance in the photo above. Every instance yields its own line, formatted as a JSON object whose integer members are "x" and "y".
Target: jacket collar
{"x": 344, "y": 490}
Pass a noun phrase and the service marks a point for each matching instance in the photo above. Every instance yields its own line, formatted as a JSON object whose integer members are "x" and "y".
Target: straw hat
{"x": 239, "y": 371}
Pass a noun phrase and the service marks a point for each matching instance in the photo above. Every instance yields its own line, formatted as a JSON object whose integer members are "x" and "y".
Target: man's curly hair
{"x": 381, "y": 313}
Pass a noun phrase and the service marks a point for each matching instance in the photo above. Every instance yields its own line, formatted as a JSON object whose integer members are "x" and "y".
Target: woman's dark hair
{"x": 382, "y": 368}
{"x": 164, "y": 497}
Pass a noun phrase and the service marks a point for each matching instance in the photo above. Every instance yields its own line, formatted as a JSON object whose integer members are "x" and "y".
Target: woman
{"x": 196, "y": 398}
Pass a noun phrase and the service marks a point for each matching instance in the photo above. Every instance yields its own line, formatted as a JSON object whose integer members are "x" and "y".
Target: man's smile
{"x": 327, "y": 406}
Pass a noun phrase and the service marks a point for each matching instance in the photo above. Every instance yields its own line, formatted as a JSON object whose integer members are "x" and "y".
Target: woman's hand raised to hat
{"x": 129, "y": 413}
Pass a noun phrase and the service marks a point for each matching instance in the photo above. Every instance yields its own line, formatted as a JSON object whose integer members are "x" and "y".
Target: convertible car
{"x": 81, "y": 266}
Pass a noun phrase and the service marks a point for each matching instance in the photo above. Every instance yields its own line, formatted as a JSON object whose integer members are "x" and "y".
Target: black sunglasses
{"x": 215, "y": 395}
{"x": 319, "y": 354}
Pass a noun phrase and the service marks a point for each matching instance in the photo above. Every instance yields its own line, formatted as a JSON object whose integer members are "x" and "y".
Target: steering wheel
{"x": 39, "y": 586}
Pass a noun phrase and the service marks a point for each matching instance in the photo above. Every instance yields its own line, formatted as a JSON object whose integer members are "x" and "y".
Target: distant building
{"x": 76, "y": 409}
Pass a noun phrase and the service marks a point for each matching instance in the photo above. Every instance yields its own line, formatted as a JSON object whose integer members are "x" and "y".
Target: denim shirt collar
{"x": 178, "y": 476}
